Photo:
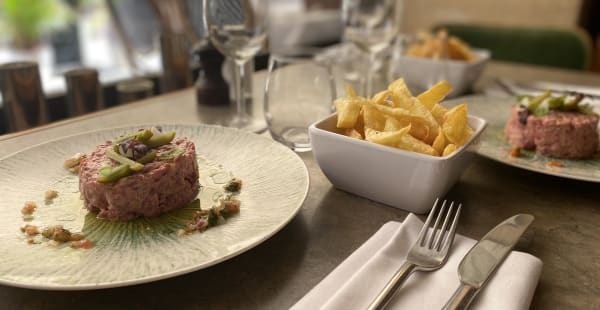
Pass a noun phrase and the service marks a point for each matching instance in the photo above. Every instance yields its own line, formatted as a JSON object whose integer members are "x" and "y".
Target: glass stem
{"x": 239, "y": 90}
{"x": 370, "y": 74}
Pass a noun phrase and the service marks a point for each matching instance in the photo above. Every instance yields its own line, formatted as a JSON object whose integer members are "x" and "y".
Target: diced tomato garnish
{"x": 555, "y": 164}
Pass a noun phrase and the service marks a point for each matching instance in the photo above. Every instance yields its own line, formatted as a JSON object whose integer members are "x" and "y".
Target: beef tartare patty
{"x": 569, "y": 135}
{"x": 161, "y": 186}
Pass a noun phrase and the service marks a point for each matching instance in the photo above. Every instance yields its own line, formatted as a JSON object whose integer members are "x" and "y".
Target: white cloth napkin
{"x": 356, "y": 282}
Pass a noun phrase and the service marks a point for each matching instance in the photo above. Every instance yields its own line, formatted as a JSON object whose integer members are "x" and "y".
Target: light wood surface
{"x": 333, "y": 223}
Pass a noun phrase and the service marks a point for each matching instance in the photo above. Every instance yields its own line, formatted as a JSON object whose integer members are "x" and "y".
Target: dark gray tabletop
{"x": 332, "y": 224}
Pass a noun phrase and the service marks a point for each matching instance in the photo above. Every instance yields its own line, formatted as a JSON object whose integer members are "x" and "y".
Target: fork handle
{"x": 392, "y": 286}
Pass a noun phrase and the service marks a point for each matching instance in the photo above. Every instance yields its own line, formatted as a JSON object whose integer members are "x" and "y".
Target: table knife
{"x": 484, "y": 257}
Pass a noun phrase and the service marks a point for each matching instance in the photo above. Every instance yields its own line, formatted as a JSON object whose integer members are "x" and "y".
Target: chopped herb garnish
{"x": 234, "y": 185}
{"x": 213, "y": 217}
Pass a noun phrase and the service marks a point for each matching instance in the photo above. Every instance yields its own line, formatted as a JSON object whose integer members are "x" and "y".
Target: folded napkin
{"x": 356, "y": 282}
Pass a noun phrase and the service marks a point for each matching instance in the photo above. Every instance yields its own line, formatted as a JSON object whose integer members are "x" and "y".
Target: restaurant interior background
{"x": 121, "y": 38}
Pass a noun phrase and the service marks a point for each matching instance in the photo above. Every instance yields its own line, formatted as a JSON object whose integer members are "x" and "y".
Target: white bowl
{"x": 401, "y": 179}
{"x": 422, "y": 73}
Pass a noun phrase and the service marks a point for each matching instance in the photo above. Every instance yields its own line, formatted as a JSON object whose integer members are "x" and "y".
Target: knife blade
{"x": 478, "y": 265}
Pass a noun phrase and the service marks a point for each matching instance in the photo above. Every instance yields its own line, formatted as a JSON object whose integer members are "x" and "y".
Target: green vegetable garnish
{"x": 541, "y": 111}
{"x": 521, "y": 97}
{"x": 114, "y": 174}
{"x": 106, "y": 170}
{"x": 585, "y": 109}
{"x": 544, "y": 103}
{"x": 555, "y": 103}
{"x": 135, "y": 166}
{"x": 160, "y": 139}
{"x": 152, "y": 138}
{"x": 148, "y": 157}
{"x": 172, "y": 154}
{"x": 535, "y": 102}
{"x": 571, "y": 105}
{"x": 142, "y": 136}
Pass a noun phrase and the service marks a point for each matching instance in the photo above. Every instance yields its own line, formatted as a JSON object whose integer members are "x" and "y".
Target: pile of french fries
{"x": 440, "y": 46}
{"x": 395, "y": 118}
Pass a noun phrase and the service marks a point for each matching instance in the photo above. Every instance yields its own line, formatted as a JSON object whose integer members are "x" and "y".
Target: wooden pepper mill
{"x": 211, "y": 87}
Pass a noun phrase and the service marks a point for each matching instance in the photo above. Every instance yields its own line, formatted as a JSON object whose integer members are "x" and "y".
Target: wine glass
{"x": 371, "y": 26}
{"x": 298, "y": 92}
{"x": 237, "y": 28}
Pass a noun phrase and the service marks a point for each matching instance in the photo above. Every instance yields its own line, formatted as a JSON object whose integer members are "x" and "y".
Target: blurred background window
{"x": 61, "y": 35}
{"x": 121, "y": 38}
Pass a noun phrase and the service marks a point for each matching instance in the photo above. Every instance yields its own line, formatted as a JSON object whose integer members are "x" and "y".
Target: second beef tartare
{"x": 135, "y": 176}
{"x": 554, "y": 126}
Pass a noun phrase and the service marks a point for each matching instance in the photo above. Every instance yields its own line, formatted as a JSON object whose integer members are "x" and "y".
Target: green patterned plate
{"x": 125, "y": 253}
{"x": 494, "y": 146}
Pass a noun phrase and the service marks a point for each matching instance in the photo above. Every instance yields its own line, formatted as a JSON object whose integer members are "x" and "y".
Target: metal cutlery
{"x": 483, "y": 258}
{"x": 515, "y": 88}
{"x": 429, "y": 252}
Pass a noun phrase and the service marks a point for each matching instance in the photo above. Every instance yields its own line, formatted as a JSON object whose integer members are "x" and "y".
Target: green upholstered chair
{"x": 563, "y": 48}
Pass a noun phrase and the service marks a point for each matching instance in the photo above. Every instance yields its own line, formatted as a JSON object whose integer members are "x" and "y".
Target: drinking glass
{"x": 237, "y": 28}
{"x": 298, "y": 92}
{"x": 371, "y": 26}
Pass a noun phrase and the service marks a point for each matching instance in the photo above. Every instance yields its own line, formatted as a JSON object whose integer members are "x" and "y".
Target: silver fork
{"x": 429, "y": 252}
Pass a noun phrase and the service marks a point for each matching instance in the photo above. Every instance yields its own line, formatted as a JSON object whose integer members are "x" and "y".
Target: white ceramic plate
{"x": 275, "y": 184}
{"x": 494, "y": 146}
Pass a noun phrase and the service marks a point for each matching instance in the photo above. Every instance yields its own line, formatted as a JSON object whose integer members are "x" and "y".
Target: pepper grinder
{"x": 211, "y": 87}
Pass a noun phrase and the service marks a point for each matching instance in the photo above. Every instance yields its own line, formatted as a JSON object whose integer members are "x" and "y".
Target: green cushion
{"x": 546, "y": 47}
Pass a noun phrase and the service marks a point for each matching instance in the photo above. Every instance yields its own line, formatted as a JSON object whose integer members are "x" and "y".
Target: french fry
{"x": 381, "y": 97}
{"x": 353, "y": 133}
{"x": 393, "y": 124}
{"x": 421, "y": 131}
{"x": 389, "y": 138}
{"x": 455, "y": 125}
{"x": 435, "y": 94}
{"x": 373, "y": 118}
{"x": 438, "y": 111}
{"x": 410, "y": 143}
{"x": 450, "y": 148}
{"x": 400, "y": 95}
{"x": 360, "y": 124}
{"x": 399, "y": 113}
{"x": 434, "y": 46}
{"x": 418, "y": 124}
{"x": 399, "y": 88}
{"x": 440, "y": 142}
{"x": 415, "y": 108}
{"x": 347, "y": 112}
{"x": 459, "y": 50}
{"x": 418, "y": 129}
{"x": 350, "y": 91}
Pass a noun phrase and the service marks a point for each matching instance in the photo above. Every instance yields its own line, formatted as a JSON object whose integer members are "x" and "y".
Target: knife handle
{"x": 461, "y": 299}
{"x": 392, "y": 286}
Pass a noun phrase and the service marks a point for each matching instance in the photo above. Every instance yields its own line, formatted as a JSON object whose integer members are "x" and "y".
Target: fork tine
{"x": 433, "y": 234}
{"x": 452, "y": 230}
{"x": 423, "y": 232}
{"x": 440, "y": 236}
